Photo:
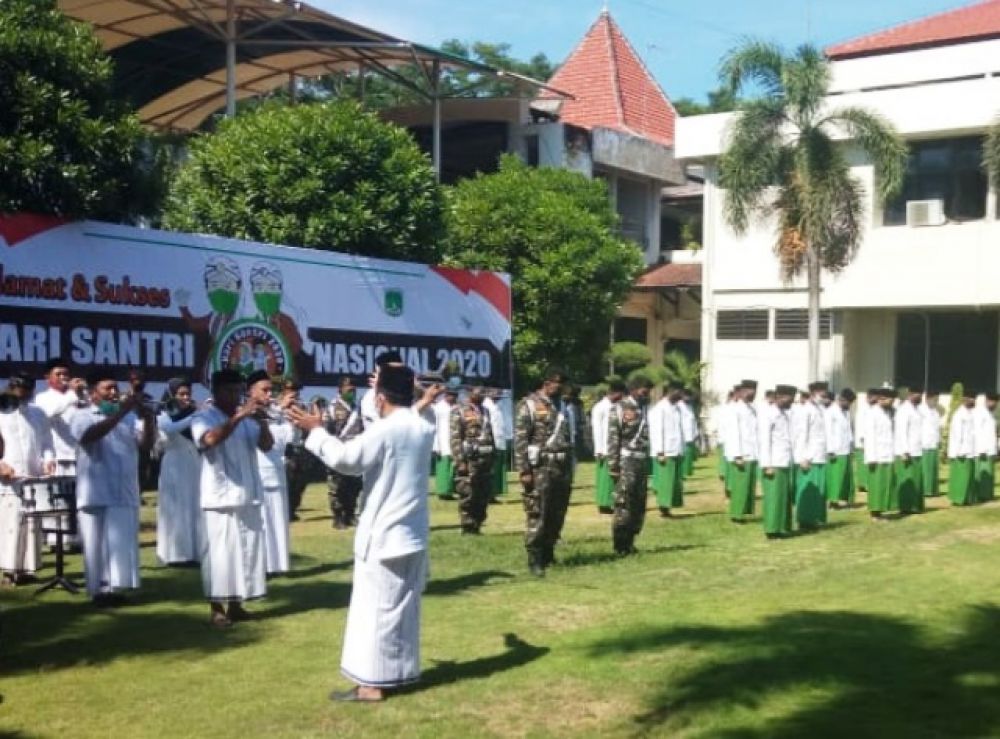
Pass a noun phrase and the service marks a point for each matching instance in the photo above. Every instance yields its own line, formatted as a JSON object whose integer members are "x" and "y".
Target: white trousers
{"x": 382, "y": 637}
{"x": 179, "y": 527}
{"x": 20, "y": 538}
{"x": 232, "y": 562}
{"x": 275, "y": 512}
{"x": 110, "y": 536}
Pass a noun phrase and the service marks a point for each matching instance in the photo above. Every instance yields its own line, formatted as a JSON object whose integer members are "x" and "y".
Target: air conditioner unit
{"x": 925, "y": 213}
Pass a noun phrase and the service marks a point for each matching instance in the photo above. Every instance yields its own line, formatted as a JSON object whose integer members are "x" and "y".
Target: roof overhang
{"x": 171, "y": 55}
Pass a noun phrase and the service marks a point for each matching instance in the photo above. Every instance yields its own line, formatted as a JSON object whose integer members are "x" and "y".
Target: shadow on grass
{"x": 583, "y": 559}
{"x": 59, "y": 635}
{"x": 830, "y": 674}
{"x": 455, "y": 585}
{"x": 517, "y": 654}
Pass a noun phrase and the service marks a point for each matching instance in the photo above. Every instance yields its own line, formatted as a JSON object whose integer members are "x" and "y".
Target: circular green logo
{"x": 249, "y": 345}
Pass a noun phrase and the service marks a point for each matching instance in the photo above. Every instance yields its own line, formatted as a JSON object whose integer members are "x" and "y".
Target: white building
{"x": 922, "y": 298}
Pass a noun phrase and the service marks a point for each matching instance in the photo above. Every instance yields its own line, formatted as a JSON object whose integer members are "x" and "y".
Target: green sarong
{"x": 742, "y": 486}
{"x": 840, "y": 480}
{"x": 500, "y": 470}
{"x": 444, "y": 477}
{"x": 604, "y": 486}
{"x": 985, "y": 478}
{"x": 690, "y": 455}
{"x": 880, "y": 487}
{"x": 909, "y": 486}
{"x": 930, "y": 473}
{"x": 777, "y": 501}
{"x": 961, "y": 491}
{"x": 860, "y": 469}
{"x": 668, "y": 482}
{"x": 810, "y": 496}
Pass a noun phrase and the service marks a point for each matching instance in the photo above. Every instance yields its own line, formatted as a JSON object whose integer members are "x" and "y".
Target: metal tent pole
{"x": 436, "y": 138}
{"x": 230, "y": 58}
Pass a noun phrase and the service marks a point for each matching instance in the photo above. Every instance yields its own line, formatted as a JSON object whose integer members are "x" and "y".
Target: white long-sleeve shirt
{"x": 496, "y": 423}
{"x": 689, "y": 424}
{"x": 962, "y": 434}
{"x": 930, "y": 427}
{"x": 741, "y": 439}
{"x": 442, "y": 425}
{"x": 27, "y": 442}
{"x": 986, "y": 431}
{"x": 879, "y": 442}
{"x": 272, "y": 462}
{"x": 393, "y": 454}
{"x": 230, "y": 476}
{"x": 107, "y": 470}
{"x": 59, "y": 407}
{"x": 839, "y": 438}
{"x": 599, "y": 415}
{"x": 666, "y": 435}
{"x": 809, "y": 435}
{"x": 775, "y": 438}
{"x": 908, "y": 430}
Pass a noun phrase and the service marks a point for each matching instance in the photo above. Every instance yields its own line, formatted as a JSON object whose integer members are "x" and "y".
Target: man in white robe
{"x": 229, "y": 436}
{"x": 25, "y": 451}
{"x": 272, "y": 473}
{"x": 110, "y": 434}
{"x": 382, "y": 638}
{"x": 179, "y": 530}
{"x": 61, "y": 398}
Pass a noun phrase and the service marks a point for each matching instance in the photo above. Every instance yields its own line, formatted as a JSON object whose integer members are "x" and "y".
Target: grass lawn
{"x": 862, "y": 630}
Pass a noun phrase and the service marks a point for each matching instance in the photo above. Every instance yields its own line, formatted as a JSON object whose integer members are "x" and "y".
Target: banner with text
{"x": 182, "y": 304}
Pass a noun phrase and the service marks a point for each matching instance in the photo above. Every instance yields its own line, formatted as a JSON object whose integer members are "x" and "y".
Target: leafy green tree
{"x": 679, "y": 368}
{"x": 554, "y": 232}
{"x": 782, "y": 163}
{"x": 323, "y": 175}
{"x": 626, "y": 356}
{"x": 722, "y": 100}
{"x": 67, "y": 147}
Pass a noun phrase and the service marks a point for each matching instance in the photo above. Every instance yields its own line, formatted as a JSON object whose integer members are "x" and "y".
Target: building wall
{"x": 664, "y": 319}
{"x": 897, "y": 267}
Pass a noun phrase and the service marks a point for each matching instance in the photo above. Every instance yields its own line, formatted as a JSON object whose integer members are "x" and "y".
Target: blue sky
{"x": 680, "y": 41}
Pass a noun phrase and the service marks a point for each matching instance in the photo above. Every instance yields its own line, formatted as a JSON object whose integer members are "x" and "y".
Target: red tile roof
{"x": 612, "y": 87}
{"x": 670, "y": 275}
{"x": 971, "y": 23}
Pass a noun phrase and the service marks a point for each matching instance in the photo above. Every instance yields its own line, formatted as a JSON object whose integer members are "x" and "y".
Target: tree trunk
{"x": 813, "y": 276}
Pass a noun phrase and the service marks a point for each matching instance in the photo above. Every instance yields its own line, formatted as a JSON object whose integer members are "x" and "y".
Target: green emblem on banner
{"x": 394, "y": 302}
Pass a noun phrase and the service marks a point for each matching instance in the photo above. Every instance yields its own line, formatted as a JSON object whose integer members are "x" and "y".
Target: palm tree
{"x": 782, "y": 162}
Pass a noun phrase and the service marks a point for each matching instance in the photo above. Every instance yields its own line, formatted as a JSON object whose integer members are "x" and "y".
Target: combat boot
{"x": 535, "y": 566}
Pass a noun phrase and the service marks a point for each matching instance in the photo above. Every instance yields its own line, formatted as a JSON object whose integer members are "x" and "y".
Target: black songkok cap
{"x": 226, "y": 377}
{"x": 887, "y": 392}
{"x": 788, "y": 390}
{"x": 848, "y": 394}
{"x": 100, "y": 374}
{"x": 817, "y": 386}
{"x": 616, "y": 386}
{"x": 747, "y": 385}
{"x": 257, "y": 376}
{"x": 56, "y": 362}
{"x": 176, "y": 383}
{"x": 992, "y": 395}
{"x": 387, "y": 358}
{"x": 395, "y": 382}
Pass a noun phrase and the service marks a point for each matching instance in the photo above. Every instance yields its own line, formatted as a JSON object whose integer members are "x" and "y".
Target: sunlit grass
{"x": 860, "y": 630}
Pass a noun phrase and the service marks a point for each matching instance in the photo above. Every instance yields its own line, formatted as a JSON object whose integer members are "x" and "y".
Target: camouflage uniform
{"x": 472, "y": 451}
{"x": 542, "y": 447}
{"x": 344, "y": 422}
{"x": 628, "y": 461}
